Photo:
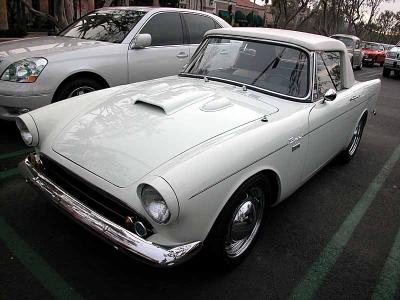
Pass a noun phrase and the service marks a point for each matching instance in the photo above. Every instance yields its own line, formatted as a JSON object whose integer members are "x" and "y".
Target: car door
{"x": 357, "y": 54}
{"x": 167, "y": 53}
{"x": 196, "y": 26}
{"x": 330, "y": 122}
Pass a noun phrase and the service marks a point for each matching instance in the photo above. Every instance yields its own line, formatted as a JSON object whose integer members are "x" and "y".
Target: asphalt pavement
{"x": 337, "y": 237}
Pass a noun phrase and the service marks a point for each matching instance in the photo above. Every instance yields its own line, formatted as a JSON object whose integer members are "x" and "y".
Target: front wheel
{"x": 346, "y": 155}
{"x": 76, "y": 87}
{"x": 239, "y": 223}
{"x": 381, "y": 64}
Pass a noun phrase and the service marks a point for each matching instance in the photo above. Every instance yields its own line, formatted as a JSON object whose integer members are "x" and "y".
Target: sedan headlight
{"x": 26, "y": 70}
{"x": 155, "y": 205}
{"x": 28, "y": 130}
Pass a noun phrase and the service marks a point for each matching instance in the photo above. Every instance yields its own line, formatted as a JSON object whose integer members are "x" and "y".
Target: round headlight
{"x": 155, "y": 205}
{"x": 26, "y": 135}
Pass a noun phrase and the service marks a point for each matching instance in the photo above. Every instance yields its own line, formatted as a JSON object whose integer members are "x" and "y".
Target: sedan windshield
{"x": 104, "y": 25}
{"x": 272, "y": 67}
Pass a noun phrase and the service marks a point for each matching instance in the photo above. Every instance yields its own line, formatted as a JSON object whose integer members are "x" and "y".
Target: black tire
{"x": 397, "y": 74}
{"x": 346, "y": 155}
{"x": 216, "y": 245}
{"x": 381, "y": 64}
{"x": 386, "y": 72}
{"x": 69, "y": 87}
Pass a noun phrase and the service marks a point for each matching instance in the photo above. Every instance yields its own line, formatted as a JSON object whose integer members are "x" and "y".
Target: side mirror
{"x": 330, "y": 95}
{"x": 141, "y": 41}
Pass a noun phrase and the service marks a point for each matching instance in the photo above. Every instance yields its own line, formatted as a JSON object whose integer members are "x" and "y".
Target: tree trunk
{"x": 41, "y": 14}
{"x": 156, "y": 3}
{"x": 3, "y": 15}
{"x": 69, "y": 11}
{"x": 59, "y": 9}
{"x": 90, "y": 5}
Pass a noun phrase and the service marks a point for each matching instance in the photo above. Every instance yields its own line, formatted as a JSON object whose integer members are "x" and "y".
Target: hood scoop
{"x": 173, "y": 100}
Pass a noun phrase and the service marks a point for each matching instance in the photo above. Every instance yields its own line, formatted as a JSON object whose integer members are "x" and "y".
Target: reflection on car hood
{"x": 141, "y": 127}
{"x": 42, "y": 46}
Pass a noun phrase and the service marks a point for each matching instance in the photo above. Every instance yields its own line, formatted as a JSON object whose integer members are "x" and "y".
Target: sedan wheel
{"x": 76, "y": 87}
{"x": 80, "y": 91}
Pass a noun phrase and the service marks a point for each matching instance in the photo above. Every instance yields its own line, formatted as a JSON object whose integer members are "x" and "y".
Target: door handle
{"x": 182, "y": 55}
{"x": 354, "y": 98}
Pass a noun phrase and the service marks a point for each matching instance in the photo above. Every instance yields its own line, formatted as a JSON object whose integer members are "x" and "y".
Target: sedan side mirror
{"x": 330, "y": 95}
{"x": 141, "y": 41}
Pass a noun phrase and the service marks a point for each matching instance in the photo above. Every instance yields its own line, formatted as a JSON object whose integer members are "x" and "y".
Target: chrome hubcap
{"x": 245, "y": 223}
{"x": 80, "y": 91}
{"x": 356, "y": 138}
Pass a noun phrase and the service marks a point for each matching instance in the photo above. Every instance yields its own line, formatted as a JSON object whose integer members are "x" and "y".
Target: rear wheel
{"x": 76, "y": 87}
{"x": 381, "y": 64}
{"x": 347, "y": 154}
{"x": 239, "y": 223}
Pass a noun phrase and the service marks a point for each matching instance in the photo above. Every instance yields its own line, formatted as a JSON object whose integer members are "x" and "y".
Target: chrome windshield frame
{"x": 305, "y": 99}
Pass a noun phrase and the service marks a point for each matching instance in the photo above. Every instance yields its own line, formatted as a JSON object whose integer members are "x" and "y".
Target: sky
{"x": 391, "y": 5}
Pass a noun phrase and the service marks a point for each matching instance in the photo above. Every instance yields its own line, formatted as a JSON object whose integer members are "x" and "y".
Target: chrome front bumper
{"x": 119, "y": 237}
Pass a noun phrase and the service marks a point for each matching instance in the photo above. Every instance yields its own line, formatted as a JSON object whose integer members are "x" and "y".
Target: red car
{"x": 373, "y": 53}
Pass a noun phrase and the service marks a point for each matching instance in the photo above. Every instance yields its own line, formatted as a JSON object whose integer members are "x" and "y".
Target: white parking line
{"x": 369, "y": 72}
{"x": 372, "y": 75}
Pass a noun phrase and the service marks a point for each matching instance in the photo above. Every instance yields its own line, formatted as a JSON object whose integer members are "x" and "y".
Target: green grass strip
{"x": 8, "y": 173}
{"x": 390, "y": 276}
{"x": 16, "y": 153}
{"x": 43, "y": 272}
{"x": 318, "y": 271}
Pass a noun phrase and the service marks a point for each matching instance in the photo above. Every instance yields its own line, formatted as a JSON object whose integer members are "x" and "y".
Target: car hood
{"x": 139, "y": 128}
{"x": 395, "y": 49}
{"x": 43, "y": 46}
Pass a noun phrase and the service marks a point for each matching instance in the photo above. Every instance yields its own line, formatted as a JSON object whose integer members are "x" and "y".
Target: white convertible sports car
{"x": 163, "y": 168}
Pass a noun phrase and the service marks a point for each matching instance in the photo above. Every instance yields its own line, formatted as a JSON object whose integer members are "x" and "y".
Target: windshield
{"x": 347, "y": 41}
{"x": 104, "y": 25}
{"x": 276, "y": 68}
{"x": 372, "y": 46}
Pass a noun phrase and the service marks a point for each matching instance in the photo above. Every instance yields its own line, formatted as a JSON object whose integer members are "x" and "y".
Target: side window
{"x": 328, "y": 72}
{"x": 165, "y": 29}
{"x": 197, "y": 26}
{"x": 357, "y": 44}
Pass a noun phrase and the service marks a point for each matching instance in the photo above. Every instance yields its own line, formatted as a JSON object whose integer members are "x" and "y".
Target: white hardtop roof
{"x": 306, "y": 40}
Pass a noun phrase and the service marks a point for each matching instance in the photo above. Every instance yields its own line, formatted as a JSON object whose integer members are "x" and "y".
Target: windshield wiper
{"x": 274, "y": 63}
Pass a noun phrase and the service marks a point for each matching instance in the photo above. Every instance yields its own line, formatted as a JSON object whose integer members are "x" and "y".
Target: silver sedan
{"x": 108, "y": 47}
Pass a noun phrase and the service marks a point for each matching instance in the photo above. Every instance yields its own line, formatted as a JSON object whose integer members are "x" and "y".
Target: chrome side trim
{"x": 119, "y": 237}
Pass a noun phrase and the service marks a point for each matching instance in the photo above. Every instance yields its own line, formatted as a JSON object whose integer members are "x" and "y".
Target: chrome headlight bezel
{"x": 154, "y": 204}
{"x": 28, "y": 130}
{"x": 25, "y": 70}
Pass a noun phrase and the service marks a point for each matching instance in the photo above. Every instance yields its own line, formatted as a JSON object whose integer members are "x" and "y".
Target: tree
{"x": 285, "y": 11}
{"x": 3, "y": 15}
